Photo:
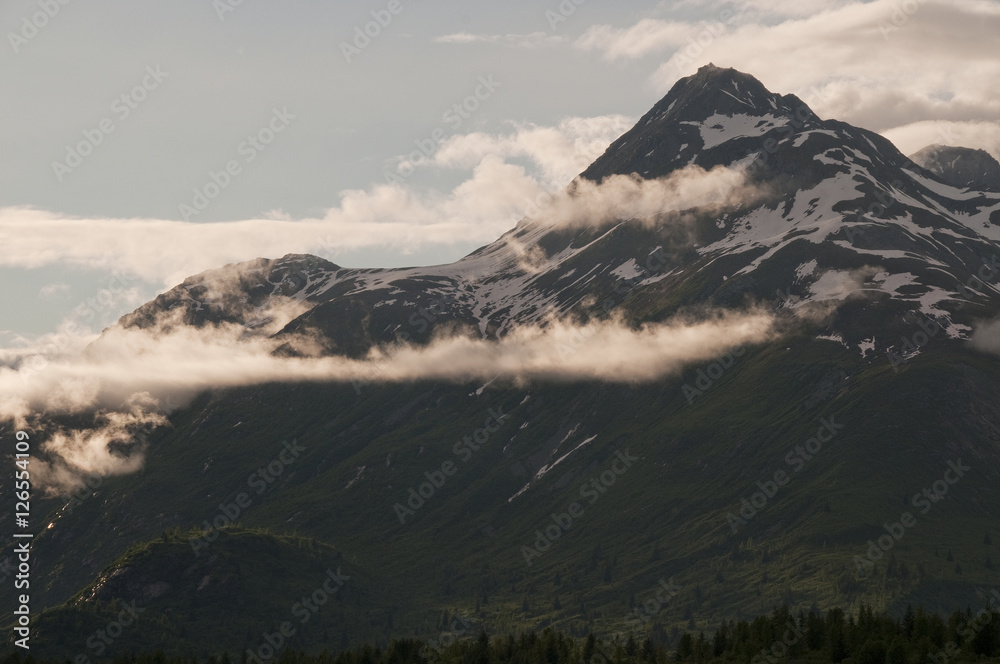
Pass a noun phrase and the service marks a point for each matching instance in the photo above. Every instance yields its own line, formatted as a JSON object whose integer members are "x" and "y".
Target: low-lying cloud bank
{"x": 127, "y": 380}
{"x": 130, "y": 378}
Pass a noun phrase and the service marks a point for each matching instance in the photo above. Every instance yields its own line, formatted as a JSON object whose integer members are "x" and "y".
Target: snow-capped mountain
{"x": 835, "y": 213}
{"x": 961, "y": 167}
{"x": 868, "y": 249}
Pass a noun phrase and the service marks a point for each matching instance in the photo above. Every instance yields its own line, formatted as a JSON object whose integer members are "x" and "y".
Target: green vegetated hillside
{"x": 242, "y": 586}
{"x": 806, "y": 471}
{"x": 654, "y": 500}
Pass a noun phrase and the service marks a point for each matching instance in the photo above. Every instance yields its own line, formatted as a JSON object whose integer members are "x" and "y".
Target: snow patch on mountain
{"x": 805, "y": 269}
{"x": 891, "y": 283}
{"x": 942, "y": 189}
{"x": 628, "y": 270}
{"x": 719, "y": 128}
{"x": 836, "y": 338}
{"x": 806, "y": 135}
{"x": 834, "y": 285}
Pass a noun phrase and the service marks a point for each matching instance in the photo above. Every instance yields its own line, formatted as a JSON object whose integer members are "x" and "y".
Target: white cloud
{"x": 53, "y": 290}
{"x": 167, "y": 251}
{"x": 123, "y": 376}
{"x": 790, "y": 8}
{"x": 878, "y": 64}
{"x": 632, "y": 197}
{"x": 912, "y": 137}
{"x": 756, "y": 9}
{"x": 645, "y": 37}
{"x": 128, "y": 374}
{"x": 114, "y": 447}
{"x": 531, "y": 40}
{"x": 397, "y": 217}
{"x": 559, "y": 153}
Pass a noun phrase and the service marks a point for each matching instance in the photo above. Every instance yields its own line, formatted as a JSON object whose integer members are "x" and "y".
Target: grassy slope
{"x": 245, "y": 586}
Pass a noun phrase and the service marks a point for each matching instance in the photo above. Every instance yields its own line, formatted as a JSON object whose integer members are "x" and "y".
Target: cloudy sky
{"x": 144, "y": 142}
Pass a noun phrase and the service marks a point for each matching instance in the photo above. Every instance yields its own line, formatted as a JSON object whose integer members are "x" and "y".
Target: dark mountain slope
{"x": 961, "y": 167}
{"x": 881, "y": 254}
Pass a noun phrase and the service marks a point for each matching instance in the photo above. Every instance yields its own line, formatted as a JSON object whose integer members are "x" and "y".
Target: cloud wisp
{"x": 399, "y": 217}
{"x": 986, "y": 337}
{"x": 480, "y": 209}
{"x": 630, "y": 197}
{"x": 127, "y": 378}
{"x": 130, "y": 377}
{"x": 529, "y": 40}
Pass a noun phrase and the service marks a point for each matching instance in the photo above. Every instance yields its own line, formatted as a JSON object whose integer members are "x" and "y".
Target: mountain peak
{"x": 699, "y": 119}
{"x": 965, "y": 168}
{"x": 719, "y": 90}
{"x": 712, "y": 72}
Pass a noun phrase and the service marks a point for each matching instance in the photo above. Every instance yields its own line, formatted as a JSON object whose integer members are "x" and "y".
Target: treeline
{"x": 868, "y": 638}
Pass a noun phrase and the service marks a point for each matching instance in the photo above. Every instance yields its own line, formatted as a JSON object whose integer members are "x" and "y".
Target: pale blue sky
{"x": 225, "y": 77}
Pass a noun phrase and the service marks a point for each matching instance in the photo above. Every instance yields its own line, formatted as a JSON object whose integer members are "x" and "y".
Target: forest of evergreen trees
{"x": 868, "y": 638}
